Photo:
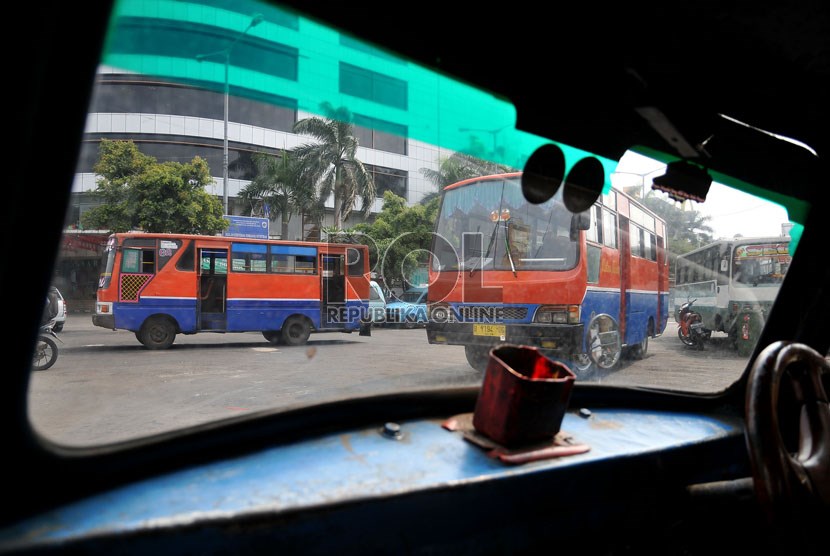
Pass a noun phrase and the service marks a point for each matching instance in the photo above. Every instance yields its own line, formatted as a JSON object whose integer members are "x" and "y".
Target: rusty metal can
{"x": 523, "y": 397}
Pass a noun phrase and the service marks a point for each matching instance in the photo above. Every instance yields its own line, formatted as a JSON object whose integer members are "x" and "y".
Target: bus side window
{"x": 594, "y": 232}
{"x": 148, "y": 261}
{"x": 138, "y": 261}
{"x": 594, "y": 254}
{"x": 130, "y": 260}
{"x": 635, "y": 235}
{"x": 609, "y": 229}
{"x": 187, "y": 262}
{"x": 282, "y": 263}
{"x": 651, "y": 246}
{"x": 354, "y": 261}
{"x": 305, "y": 264}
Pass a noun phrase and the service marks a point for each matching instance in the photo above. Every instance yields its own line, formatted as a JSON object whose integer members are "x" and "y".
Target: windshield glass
{"x": 761, "y": 264}
{"x": 490, "y": 225}
{"x": 246, "y": 172}
{"x": 411, "y": 297}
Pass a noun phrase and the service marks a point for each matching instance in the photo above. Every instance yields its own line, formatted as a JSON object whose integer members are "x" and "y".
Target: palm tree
{"x": 278, "y": 185}
{"x": 458, "y": 167}
{"x": 331, "y": 163}
{"x": 686, "y": 229}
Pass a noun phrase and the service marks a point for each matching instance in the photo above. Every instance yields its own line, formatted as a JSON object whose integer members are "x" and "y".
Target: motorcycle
{"x": 690, "y": 326}
{"x": 46, "y": 350}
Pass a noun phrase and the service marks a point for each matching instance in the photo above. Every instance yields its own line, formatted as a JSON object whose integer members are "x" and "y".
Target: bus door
{"x": 662, "y": 278}
{"x": 212, "y": 290}
{"x": 333, "y": 288}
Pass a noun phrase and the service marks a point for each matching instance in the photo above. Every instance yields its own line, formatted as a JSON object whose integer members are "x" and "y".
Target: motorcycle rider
{"x": 50, "y": 311}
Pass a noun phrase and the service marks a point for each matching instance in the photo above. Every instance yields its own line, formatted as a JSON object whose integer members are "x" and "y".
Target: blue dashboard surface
{"x": 349, "y": 466}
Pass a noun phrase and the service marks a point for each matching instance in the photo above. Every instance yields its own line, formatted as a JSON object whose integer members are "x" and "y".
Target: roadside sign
{"x": 247, "y": 226}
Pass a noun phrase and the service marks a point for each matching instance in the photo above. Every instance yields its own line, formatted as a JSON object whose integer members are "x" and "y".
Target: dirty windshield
{"x": 246, "y": 174}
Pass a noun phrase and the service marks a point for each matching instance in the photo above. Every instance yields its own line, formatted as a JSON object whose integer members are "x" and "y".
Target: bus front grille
{"x": 490, "y": 313}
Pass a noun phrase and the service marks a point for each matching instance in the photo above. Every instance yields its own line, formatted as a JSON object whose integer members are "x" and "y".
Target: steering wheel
{"x": 790, "y": 465}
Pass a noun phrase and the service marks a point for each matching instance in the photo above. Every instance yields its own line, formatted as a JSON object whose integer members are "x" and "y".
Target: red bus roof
{"x": 482, "y": 178}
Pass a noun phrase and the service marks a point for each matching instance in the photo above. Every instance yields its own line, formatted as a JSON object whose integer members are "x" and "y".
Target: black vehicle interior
{"x": 722, "y": 84}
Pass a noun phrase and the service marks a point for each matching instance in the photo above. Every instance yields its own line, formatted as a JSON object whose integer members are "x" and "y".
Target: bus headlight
{"x": 557, "y": 314}
{"x": 103, "y": 308}
{"x": 439, "y": 312}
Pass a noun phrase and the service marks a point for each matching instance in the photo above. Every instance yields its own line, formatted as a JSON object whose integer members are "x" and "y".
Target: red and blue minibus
{"x": 161, "y": 285}
{"x": 584, "y": 288}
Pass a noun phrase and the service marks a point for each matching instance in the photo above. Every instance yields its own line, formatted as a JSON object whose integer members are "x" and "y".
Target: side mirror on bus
{"x": 580, "y": 221}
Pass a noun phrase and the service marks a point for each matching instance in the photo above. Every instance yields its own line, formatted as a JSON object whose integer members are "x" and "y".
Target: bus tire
{"x": 273, "y": 336}
{"x": 581, "y": 365}
{"x": 639, "y": 351}
{"x": 477, "y": 357}
{"x": 295, "y": 331}
{"x": 157, "y": 333}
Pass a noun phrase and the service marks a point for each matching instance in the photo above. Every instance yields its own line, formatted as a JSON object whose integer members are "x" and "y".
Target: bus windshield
{"x": 492, "y": 226}
{"x": 760, "y": 264}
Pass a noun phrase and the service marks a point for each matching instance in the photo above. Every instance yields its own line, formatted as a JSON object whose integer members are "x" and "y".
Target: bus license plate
{"x": 498, "y": 330}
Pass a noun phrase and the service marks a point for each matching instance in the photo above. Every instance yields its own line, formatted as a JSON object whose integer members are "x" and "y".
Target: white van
{"x": 377, "y": 303}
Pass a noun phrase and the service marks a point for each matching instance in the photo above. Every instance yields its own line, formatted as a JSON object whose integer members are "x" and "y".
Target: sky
{"x": 731, "y": 212}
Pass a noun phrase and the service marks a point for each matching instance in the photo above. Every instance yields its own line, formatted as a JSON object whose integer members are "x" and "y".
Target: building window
{"x": 135, "y": 95}
{"x": 360, "y": 82}
{"x": 176, "y": 148}
{"x": 389, "y": 179}
{"x": 355, "y": 44}
{"x": 192, "y": 40}
{"x": 380, "y": 135}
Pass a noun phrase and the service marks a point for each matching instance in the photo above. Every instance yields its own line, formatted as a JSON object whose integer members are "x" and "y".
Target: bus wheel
{"x": 295, "y": 331}
{"x": 581, "y": 365}
{"x": 157, "y": 333}
{"x": 273, "y": 336}
{"x": 638, "y": 351}
{"x": 477, "y": 357}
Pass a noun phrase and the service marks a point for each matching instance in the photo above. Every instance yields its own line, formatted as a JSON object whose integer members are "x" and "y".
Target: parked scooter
{"x": 46, "y": 350}
{"x": 690, "y": 326}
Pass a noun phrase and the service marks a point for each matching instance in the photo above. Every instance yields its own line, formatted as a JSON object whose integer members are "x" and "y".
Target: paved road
{"x": 106, "y": 386}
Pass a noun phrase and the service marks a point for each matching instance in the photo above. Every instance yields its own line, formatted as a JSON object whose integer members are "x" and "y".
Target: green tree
{"x": 331, "y": 163}
{"x": 139, "y": 193}
{"x": 458, "y": 167}
{"x": 685, "y": 229}
{"x": 279, "y": 184}
{"x": 400, "y": 237}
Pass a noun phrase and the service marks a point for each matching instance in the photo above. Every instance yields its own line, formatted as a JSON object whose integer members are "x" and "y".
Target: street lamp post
{"x": 226, "y": 54}
{"x": 493, "y": 133}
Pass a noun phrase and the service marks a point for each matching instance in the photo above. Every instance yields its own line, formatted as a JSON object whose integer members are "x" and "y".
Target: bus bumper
{"x": 561, "y": 339}
{"x": 104, "y": 321}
